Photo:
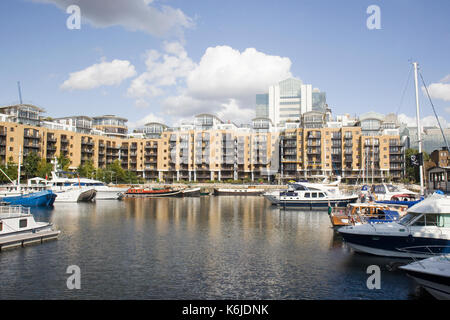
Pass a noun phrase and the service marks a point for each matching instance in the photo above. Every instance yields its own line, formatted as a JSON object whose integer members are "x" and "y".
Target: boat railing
{"x": 13, "y": 211}
{"x": 444, "y": 251}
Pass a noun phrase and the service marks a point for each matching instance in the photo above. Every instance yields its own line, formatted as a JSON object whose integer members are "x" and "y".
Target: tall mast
{"x": 20, "y": 92}
{"x": 419, "y": 133}
{"x": 18, "y": 168}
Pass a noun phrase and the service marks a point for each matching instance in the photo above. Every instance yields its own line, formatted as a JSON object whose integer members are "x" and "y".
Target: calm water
{"x": 193, "y": 248}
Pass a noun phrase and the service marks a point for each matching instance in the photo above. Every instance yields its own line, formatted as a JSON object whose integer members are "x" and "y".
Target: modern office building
{"x": 432, "y": 138}
{"x": 288, "y": 100}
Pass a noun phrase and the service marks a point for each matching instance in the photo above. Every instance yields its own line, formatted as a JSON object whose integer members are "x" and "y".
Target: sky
{"x": 166, "y": 61}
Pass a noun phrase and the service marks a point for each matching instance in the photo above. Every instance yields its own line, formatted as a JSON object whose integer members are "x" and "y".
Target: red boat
{"x": 145, "y": 192}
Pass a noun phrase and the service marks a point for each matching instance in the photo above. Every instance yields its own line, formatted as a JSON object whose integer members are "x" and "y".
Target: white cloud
{"x": 225, "y": 82}
{"x": 231, "y": 111}
{"x": 428, "y": 121}
{"x": 163, "y": 70}
{"x": 148, "y": 118}
{"x": 445, "y": 79}
{"x": 100, "y": 74}
{"x": 133, "y": 15}
{"x": 225, "y": 73}
{"x": 439, "y": 91}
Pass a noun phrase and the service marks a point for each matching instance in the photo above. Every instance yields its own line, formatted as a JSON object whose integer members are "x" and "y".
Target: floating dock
{"x": 22, "y": 240}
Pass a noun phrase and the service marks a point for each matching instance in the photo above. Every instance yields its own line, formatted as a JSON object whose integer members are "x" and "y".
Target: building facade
{"x": 211, "y": 149}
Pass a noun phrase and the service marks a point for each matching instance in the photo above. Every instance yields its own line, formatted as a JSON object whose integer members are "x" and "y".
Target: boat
{"x": 205, "y": 192}
{"x": 359, "y": 213}
{"x": 237, "y": 192}
{"x": 432, "y": 274}
{"x": 44, "y": 198}
{"x": 386, "y": 192}
{"x": 190, "y": 192}
{"x": 18, "y": 227}
{"x": 65, "y": 188}
{"x": 147, "y": 192}
{"x": 423, "y": 232}
{"x": 402, "y": 199}
{"x": 103, "y": 191}
{"x": 304, "y": 195}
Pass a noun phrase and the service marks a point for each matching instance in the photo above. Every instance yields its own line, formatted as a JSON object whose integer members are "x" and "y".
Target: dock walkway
{"x": 21, "y": 240}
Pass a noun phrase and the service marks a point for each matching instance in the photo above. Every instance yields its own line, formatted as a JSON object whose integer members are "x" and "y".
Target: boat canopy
{"x": 435, "y": 203}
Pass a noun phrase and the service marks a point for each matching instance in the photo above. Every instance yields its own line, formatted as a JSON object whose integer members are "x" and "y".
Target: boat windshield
{"x": 408, "y": 218}
{"x": 392, "y": 188}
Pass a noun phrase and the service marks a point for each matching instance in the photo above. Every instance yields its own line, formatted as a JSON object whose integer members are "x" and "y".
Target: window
{"x": 444, "y": 221}
{"x": 22, "y": 223}
{"x": 307, "y": 195}
{"x": 314, "y": 194}
{"x": 321, "y": 195}
{"x": 1, "y": 226}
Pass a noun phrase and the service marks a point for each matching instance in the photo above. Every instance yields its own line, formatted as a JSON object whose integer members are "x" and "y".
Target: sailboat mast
{"x": 18, "y": 168}
{"x": 419, "y": 133}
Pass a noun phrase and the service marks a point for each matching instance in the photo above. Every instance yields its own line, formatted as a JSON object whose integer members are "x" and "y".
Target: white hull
{"x": 437, "y": 290}
{"x": 384, "y": 253}
{"x": 109, "y": 193}
{"x": 71, "y": 195}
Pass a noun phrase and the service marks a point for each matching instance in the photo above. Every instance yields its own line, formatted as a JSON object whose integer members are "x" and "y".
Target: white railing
{"x": 13, "y": 211}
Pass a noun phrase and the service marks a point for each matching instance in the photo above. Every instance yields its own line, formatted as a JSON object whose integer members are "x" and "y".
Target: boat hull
{"x": 75, "y": 195}
{"x": 312, "y": 204}
{"x": 152, "y": 193}
{"x": 438, "y": 286}
{"x": 237, "y": 192}
{"x": 396, "y": 246}
{"x": 36, "y": 199}
{"x": 194, "y": 192}
{"x": 108, "y": 194}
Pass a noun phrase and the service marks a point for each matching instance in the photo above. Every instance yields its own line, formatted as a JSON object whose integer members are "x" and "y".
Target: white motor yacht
{"x": 423, "y": 232}
{"x": 17, "y": 227}
{"x": 433, "y": 274}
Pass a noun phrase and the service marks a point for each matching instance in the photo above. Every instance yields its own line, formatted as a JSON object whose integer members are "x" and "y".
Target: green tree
{"x": 115, "y": 172}
{"x": 87, "y": 169}
{"x": 31, "y": 164}
{"x": 10, "y": 169}
{"x": 44, "y": 168}
{"x": 63, "y": 162}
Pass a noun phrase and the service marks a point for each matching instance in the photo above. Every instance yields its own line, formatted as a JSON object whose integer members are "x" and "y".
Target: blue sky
{"x": 325, "y": 43}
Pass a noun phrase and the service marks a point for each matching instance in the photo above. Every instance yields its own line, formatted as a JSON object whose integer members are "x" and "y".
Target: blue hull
{"x": 404, "y": 203}
{"x": 36, "y": 199}
{"x": 399, "y": 245}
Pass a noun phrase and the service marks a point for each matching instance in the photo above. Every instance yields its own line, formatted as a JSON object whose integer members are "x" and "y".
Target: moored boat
{"x": 237, "y": 192}
{"x": 301, "y": 195}
{"x": 18, "y": 228}
{"x": 44, "y": 198}
{"x": 147, "y": 192}
{"x": 359, "y": 213}
{"x": 423, "y": 232}
{"x": 190, "y": 192}
{"x": 432, "y": 274}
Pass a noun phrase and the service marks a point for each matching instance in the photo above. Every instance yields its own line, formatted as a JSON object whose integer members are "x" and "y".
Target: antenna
{"x": 20, "y": 92}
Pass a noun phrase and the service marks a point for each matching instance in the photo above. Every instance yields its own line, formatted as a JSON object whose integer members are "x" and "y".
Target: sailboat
{"x": 423, "y": 232}
{"x": 28, "y": 197}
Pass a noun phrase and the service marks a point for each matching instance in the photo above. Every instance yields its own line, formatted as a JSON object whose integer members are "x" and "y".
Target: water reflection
{"x": 192, "y": 248}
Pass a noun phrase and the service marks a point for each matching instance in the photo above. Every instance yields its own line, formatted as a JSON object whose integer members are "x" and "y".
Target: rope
{"x": 434, "y": 110}
{"x": 404, "y": 91}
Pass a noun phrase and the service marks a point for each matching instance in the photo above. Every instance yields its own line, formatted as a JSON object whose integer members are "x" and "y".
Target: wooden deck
{"x": 23, "y": 240}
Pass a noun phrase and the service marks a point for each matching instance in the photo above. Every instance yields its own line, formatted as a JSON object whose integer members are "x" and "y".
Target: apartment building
{"x": 211, "y": 149}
